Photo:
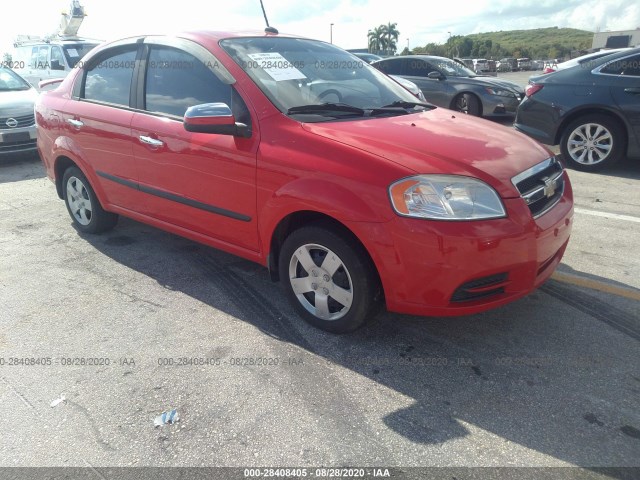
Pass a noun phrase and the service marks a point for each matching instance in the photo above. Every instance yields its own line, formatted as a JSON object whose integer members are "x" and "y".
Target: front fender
{"x": 320, "y": 196}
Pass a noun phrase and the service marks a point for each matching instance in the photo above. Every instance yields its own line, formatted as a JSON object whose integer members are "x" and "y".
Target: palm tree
{"x": 390, "y": 34}
{"x": 375, "y": 37}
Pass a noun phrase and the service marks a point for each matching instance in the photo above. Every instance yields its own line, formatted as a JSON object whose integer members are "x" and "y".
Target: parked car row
{"x": 351, "y": 191}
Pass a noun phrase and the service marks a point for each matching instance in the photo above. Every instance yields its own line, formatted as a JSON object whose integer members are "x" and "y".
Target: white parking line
{"x": 614, "y": 216}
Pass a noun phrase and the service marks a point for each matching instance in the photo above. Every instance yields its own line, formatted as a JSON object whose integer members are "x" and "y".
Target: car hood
{"x": 488, "y": 82}
{"x": 18, "y": 102}
{"x": 442, "y": 141}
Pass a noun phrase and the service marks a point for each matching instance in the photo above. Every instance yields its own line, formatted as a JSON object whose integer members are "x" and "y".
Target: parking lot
{"x": 138, "y": 321}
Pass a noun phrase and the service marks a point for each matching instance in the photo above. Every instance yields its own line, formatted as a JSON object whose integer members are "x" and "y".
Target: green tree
{"x": 375, "y": 37}
{"x": 7, "y": 59}
{"x": 390, "y": 34}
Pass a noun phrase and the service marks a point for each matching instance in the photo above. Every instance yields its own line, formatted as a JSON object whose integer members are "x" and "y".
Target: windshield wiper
{"x": 327, "y": 108}
{"x": 403, "y": 104}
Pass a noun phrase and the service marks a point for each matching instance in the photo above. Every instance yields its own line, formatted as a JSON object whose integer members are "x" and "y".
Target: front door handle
{"x": 75, "y": 123}
{"x": 151, "y": 141}
{"x": 632, "y": 90}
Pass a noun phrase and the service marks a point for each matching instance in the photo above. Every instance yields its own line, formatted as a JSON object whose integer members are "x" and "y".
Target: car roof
{"x": 598, "y": 54}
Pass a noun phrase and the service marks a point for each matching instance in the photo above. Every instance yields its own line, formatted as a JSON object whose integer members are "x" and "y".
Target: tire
{"x": 468, "y": 103}
{"x": 320, "y": 263}
{"x": 592, "y": 142}
{"x": 82, "y": 204}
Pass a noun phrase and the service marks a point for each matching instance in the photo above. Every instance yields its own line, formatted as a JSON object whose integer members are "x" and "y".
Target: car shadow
{"x": 24, "y": 166}
{"x": 529, "y": 372}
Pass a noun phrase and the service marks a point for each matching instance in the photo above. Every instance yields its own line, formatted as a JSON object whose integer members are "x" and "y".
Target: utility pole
{"x": 331, "y": 33}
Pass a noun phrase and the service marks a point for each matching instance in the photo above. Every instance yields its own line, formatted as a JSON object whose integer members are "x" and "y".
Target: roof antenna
{"x": 269, "y": 29}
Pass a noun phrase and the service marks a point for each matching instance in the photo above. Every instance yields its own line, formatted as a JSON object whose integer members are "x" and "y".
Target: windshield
{"x": 10, "y": 81}
{"x": 76, "y": 51}
{"x": 295, "y": 72}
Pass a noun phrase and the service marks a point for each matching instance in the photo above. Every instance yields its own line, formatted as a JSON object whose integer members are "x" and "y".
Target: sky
{"x": 432, "y": 22}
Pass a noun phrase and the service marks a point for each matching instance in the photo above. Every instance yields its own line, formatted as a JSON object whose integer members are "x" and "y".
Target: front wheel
{"x": 84, "y": 208}
{"x": 592, "y": 142}
{"x": 469, "y": 104}
{"x": 329, "y": 279}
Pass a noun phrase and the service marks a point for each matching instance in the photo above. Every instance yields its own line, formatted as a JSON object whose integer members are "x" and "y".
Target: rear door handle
{"x": 633, "y": 90}
{"x": 151, "y": 141}
{"x": 75, "y": 123}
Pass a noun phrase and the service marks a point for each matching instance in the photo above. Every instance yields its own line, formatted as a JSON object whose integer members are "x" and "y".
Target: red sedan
{"x": 297, "y": 155}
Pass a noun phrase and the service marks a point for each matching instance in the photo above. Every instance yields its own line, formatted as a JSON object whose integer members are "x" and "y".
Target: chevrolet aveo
{"x": 297, "y": 155}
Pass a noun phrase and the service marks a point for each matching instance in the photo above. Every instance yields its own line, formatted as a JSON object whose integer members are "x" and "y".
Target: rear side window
{"x": 176, "y": 80}
{"x": 391, "y": 67}
{"x": 110, "y": 80}
{"x": 629, "y": 66}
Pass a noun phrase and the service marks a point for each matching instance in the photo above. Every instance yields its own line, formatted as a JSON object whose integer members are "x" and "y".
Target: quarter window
{"x": 176, "y": 80}
{"x": 110, "y": 80}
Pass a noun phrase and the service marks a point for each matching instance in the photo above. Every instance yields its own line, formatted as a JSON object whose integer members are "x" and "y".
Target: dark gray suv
{"x": 592, "y": 110}
{"x": 449, "y": 84}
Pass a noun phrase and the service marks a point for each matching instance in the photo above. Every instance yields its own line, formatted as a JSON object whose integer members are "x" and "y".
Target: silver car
{"x": 17, "y": 122}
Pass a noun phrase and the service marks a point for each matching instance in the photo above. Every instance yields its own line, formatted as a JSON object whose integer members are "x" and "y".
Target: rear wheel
{"x": 329, "y": 279}
{"x": 468, "y": 103}
{"x": 82, "y": 204}
{"x": 592, "y": 142}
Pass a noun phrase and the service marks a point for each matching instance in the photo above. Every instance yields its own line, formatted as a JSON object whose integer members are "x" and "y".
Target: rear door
{"x": 97, "y": 121}
{"x": 205, "y": 183}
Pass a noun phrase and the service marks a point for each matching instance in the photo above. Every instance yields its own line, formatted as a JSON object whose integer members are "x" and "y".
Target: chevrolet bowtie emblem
{"x": 549, "y": 187}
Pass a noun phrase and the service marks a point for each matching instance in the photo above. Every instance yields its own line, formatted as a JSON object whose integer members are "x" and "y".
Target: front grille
{"x": 541, "y": 186}
{"x": 480, "y": 288}
{"x": 23, "y": 121}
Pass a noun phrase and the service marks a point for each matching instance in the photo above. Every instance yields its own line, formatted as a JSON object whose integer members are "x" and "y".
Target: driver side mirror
{"x": 435, "y": 75}
{"x": 214, "y": 118}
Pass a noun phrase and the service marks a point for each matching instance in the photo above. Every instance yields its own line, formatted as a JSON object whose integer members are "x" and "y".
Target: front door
{"x": 201, "y": 182}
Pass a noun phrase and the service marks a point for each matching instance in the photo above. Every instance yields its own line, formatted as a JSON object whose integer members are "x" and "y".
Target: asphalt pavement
{"x": 136, "y": 322}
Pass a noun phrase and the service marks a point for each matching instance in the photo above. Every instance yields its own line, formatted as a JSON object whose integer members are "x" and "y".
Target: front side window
{"x": 56, "y": 54}
{"x": 176, "y": 80}
{"x": 110, "y": 80}
{"x": 418, "y": 68}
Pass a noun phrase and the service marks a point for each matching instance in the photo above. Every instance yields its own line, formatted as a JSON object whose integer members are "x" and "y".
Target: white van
{"x": 37, "y": 60}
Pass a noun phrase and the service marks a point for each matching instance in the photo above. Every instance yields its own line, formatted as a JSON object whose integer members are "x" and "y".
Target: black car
{"x": 592, "y": 110}
{"x": 449, "y": 84}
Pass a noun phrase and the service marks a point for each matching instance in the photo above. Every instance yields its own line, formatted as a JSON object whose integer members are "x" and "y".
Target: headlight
{"x": 499, "y": 92}
{"x": 445, "y": 197}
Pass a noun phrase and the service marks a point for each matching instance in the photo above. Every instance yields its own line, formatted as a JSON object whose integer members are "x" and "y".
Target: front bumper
{"x": 439, "y": 268}
{"x": 497, "y": 106}
{"x": 18, "y": 140}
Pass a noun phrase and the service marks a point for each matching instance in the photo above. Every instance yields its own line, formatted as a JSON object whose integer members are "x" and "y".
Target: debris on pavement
{"x": 58, "y": 401}
{"x": 166, "y": 418}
